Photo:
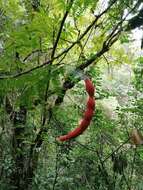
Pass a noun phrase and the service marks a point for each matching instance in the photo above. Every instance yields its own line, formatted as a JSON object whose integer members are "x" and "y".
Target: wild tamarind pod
{"x": 90, "y": 103}
{"x": 70, "y": 135}
{"x": 84, "y": 123}
{"x": 87, "y": 116}
{"x": 76, "y": 132}
{"x": 89, "y": 87}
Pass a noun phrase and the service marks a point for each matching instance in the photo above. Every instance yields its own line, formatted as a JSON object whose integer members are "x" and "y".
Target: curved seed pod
{"x": 89, "y": 87}
{"x": 84, "y": 123}
{"x": 76, "y": 132}
{"x": 71, "y": 134}
{"x": 87, "y": 116}
{"x": 90, "y": 103}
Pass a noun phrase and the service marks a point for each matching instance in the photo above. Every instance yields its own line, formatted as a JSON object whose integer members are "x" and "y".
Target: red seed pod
{"x": 84, "y": 123}
{"x": 89, "y": 87}
{"x": 71, "y": 134}
{"x": 90, "y": 103}
{"x": 76, "y": 132}
{"x": 88, "y": 114}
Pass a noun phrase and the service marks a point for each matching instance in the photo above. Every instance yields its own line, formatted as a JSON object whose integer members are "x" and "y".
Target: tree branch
{"x": 61, "y": 28}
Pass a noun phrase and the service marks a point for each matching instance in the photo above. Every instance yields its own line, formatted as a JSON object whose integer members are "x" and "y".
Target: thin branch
{"x": 34, "y": 51}
{"x": 88, "y": 183}
{"x": 26, "y": 72}
{"x": 61, "y": 28}
{"x": 116, "y": 150}
{"x": 56, "y": 169}
{"x": 133, "y": 164}
{"x": 83, "y": 46}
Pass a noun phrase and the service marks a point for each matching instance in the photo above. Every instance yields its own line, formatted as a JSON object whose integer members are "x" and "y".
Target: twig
{"x": 116, "y": 150}
{"x": 56, "y": 168}
{"x": 132, "y": 169}
{"x": 60, "y": 29}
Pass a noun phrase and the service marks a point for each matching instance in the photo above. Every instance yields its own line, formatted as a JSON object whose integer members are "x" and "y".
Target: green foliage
{"x": 45, "y": 45}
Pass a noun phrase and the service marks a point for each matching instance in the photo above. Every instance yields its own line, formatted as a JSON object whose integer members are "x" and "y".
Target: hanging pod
{"x": 87, "y": 116}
